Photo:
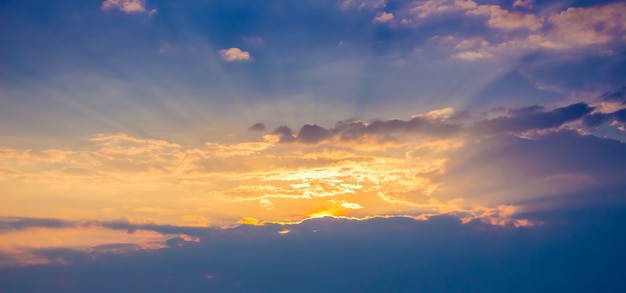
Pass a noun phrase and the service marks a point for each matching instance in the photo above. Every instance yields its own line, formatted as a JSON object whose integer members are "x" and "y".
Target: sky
{"x": 327, "y": 145}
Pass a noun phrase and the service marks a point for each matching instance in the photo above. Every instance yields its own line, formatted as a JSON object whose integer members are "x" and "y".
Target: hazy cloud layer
{"x": 490, "y": 166}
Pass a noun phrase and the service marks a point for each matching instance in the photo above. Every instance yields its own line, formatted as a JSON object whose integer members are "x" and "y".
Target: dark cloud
{"x": 176, "y": 241}
{"x": 525, "y": 110}
{"x": 597, "y": 119}
{"x": 162, "y": 229}
{"x": 414, "y": 125}
{"x": 531, "y": 118}
{"x": 620, "y": 115}
{"x": 285, "y": 133}
{"x": 517, "y": 120}
{"x": 8, "y": 224}
{"x": 618, "y": 96}
{"x": 515, "y": 170}
{"x": 573, "y": 251}
{"x": 312, "y": 134}
{"x": 258, "y": 127}
{"x": 381, "y": 129}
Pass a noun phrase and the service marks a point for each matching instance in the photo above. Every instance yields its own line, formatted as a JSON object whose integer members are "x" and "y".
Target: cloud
{"x": 379, "y": 129}
{"x": 363, "y": 4}
{"x": 393, "y": 166}
{"x": 257, "y": 127}
{"x": 499, "y": 18}
{"x": 596, "y": 29}
{"x": 425, "y": 9}
{"x": 9, "y": 224}
{"x": 384, "y": 17}
{"x": 532, "y": 118}
{"x": 472, "y": 55}
{"x": 351, "y": 205}
{"x": 524, "y": 3}
{"x": 552, "y": 171}
{"x": 116, "y": 248}
{"x": 586, "y": 26}
{"x": 375, "y": 255}
{"x": 127, "y": 6}
{"x": 312, "y": 134}
{"x": 234, "y": 54}
{"x": 13, "y": 224}
{"x": 285, "y": 134}
{"x": 617, "y": 96}
{"x": 597, "y": 119}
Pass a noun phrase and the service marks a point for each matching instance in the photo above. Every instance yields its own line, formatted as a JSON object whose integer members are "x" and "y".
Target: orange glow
{"x": 249, "y": 182}
{"x": 250, "y": 221}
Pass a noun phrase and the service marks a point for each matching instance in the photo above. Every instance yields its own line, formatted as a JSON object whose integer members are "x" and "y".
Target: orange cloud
{"x": 351, "y": 172}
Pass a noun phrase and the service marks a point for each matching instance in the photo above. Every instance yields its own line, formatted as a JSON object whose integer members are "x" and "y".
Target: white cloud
{"x": 234, "y": 54}
{"x": 127, "y": 6}
{"x": 384, "y": 17}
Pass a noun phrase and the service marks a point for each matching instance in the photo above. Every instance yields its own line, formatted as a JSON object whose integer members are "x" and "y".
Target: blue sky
{"x": 153, "y": 73}
{"x": 154, "y": 132}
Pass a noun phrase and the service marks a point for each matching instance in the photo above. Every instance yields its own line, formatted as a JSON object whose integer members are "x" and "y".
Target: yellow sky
{"x": 116, "y": 175}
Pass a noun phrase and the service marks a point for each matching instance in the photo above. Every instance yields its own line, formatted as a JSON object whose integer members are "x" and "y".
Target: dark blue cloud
{"x": 598, "y": 119}
{"x": 9, "y": 224}
{"x": 556, "y": 170}
{"x": 285, "y": 134}
{"x": 525, "y": 120}
{"x": 574, "y": 251}
{"x": 618, "y": 96}
{"x": 517, "y": 120}
{"x": 312, "y": 134}
{"x": 383, "y": 129}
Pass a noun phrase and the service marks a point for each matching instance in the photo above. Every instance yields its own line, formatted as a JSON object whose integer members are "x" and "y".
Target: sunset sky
{"x": 156, "y": 145}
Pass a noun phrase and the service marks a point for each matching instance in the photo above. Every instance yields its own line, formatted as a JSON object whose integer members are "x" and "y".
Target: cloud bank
{"x": 327, "y": 254}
